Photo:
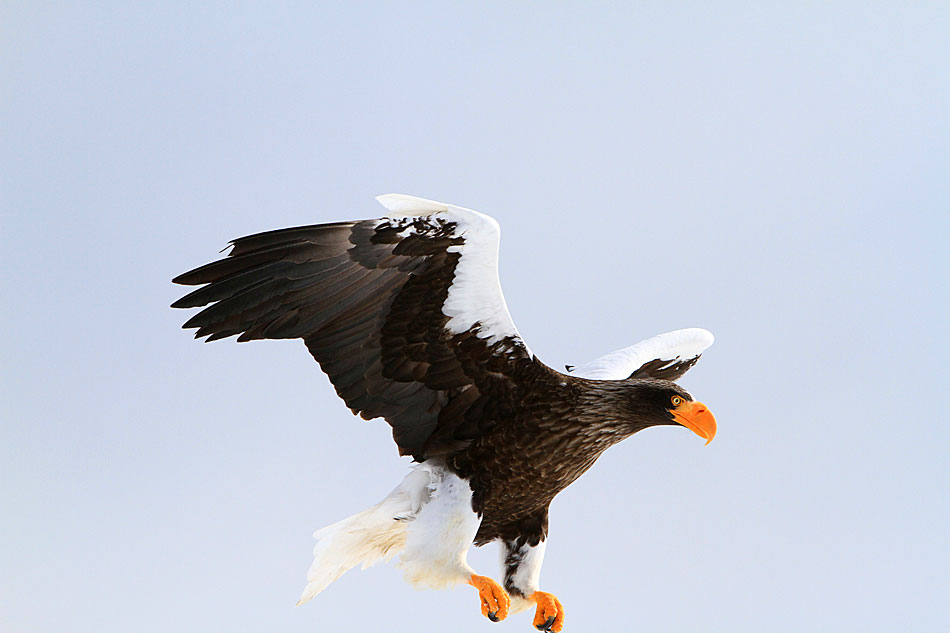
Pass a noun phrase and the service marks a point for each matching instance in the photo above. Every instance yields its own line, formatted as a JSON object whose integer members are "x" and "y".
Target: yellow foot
{"x": 495, "y": 600}
{"x": 550, "y": 614}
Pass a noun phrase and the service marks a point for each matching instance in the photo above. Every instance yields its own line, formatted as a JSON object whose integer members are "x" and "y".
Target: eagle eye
{"x": 676, "y": 400}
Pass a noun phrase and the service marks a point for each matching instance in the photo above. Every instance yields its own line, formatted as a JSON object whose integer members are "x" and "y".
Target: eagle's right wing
{"x": 404, "y": 313}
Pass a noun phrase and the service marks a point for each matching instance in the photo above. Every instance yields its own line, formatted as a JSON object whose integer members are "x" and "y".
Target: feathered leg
{"x": 439, "y": 537}
{"x": 523, "y": 553}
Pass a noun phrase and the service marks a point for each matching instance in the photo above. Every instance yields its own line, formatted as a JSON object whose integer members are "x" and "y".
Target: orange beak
{"x": 697, "y": 418}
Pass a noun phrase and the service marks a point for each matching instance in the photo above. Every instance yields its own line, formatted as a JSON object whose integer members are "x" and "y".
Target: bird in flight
{"x": 406, "y": 316}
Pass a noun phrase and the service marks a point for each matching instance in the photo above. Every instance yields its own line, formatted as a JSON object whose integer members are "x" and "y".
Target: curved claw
{"x": 494, "y": 598}
{"x": 550, "y": 614}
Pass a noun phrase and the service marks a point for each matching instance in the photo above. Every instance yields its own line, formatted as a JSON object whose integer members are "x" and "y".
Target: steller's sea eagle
{"x": 405, "y": 315}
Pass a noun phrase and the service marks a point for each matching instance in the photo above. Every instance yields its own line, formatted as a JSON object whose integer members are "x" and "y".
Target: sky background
{"x": 776, "y": 174}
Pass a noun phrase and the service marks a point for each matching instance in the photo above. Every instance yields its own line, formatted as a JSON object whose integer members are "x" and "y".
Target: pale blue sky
{"x": 777, "y": 175}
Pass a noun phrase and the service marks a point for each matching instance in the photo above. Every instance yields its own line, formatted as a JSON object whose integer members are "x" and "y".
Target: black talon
{"x": 492, "y": 615}
{"x": 547, "y": 624}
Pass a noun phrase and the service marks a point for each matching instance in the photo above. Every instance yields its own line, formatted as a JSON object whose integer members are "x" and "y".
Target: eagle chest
{"x": 520, "y": 466}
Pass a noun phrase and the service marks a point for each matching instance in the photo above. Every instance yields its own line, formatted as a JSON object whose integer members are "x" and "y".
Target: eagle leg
{"x": 550, "y": 614}
{"x": 495, "y": 600}
{"x": 524, "y": 543}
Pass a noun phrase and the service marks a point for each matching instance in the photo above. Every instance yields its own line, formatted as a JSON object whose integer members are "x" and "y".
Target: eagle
{"x": 405, "y": 315}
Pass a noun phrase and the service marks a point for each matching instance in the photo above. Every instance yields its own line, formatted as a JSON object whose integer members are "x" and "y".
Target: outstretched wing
{"x": 404, "y": 313}
{"x": 666, "y": 356}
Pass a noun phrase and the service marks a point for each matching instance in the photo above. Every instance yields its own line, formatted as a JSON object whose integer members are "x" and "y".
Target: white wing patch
{"x": 475, "y": 294}
{"x": 679, "y": 345}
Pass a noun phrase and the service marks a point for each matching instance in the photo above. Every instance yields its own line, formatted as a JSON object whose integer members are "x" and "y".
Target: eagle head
{"x": 651, "y": 402}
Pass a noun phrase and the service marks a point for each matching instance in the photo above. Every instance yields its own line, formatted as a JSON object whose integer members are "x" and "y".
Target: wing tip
{"x": 403, "y": 204}
{"x": 701, "y": 336}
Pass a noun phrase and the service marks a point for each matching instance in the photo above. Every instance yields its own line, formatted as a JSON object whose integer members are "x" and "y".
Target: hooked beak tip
{"x": 697, "y": 418}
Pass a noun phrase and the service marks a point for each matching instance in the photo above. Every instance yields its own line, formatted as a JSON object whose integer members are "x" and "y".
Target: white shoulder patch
{"x": 475, "y": 296}
{"x": 677, "y": 345}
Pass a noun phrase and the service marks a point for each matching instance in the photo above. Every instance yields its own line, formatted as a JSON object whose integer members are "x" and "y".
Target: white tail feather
{"x": 376, "y": 534}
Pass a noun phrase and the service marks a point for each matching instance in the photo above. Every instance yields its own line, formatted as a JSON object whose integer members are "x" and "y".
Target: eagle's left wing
{"x": 665, "y": 356}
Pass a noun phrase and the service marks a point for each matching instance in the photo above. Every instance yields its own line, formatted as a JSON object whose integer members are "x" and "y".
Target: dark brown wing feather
{"x": 665, "y": 369}
{"x": 366, "y": 297}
